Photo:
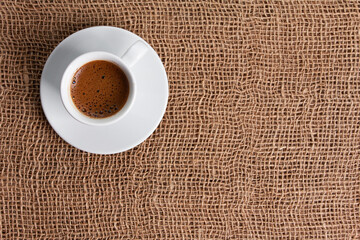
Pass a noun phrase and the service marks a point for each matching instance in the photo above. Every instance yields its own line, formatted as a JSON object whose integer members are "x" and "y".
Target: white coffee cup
{"x": 125, "y": 62}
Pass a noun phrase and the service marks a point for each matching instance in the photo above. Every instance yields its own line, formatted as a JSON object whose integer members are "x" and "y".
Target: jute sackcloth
{"x": 260, "y": 140}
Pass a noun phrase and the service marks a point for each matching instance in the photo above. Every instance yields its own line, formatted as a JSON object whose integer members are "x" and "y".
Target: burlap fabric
{"x": 261, "y": 138}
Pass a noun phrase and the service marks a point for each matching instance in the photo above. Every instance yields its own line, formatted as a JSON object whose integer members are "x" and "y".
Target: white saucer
{"x": 142, "y": 119}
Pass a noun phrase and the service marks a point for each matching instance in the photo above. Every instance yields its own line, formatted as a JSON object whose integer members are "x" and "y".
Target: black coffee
{"x": 99, "y": 89}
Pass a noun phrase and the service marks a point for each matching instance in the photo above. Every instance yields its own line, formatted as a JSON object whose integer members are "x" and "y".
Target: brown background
{"x": 261, "y": 138}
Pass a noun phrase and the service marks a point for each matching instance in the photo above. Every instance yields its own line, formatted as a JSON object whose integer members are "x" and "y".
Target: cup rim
{"x": 69, "y": 72}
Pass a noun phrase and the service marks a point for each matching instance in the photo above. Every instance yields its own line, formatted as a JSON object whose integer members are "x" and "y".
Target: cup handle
{"x": 134, "y": 53}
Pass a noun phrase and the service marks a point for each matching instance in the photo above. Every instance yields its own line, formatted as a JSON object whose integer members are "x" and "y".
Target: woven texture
{"x": 261, "y": 138}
